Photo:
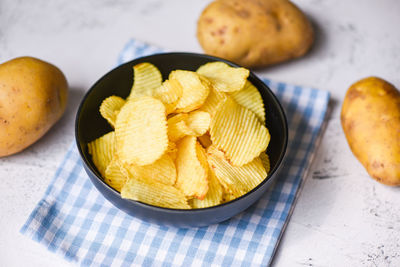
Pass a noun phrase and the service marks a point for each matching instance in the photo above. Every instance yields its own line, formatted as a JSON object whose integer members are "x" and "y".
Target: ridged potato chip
{"x": 226, "y": 197}
{"x": 169, "y": 93}
{"x": 146, "y": 78}
{"x": 191, "y": 170}
{"x": 195, "y": 123}
{"x": 213, "y": 100}
{"x": 154, "y": 193}
{"x": 171, "y": 147}
{"x": 162, "y": 170}
{"x": 236, "y": 180}
{"x": 102, "y": 151}
{"x": 250, "y": 98}
{"x": 238, "y": 132}
{"x": 172, "y": 150}
{"x": 177, "y": 127}
{"x": 198, "y": 122}
{"x": 110, "y": 108}
{"x": 265, "y": 161}
{"x": 141, "y": 131}
{"x": 195, "y": 89}
{"x": 202, "y": 157}
{"x": 115, "y": 174}
{"x": 223, "y": 77}
{"x": 205, "y": 140}
{"x": 214, "y": 193}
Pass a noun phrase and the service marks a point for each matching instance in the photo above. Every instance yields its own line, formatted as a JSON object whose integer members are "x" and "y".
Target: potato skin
{"x": 33, "y": 96}
{"x": 370, "y": 119}
{"x": 254, "y": 33}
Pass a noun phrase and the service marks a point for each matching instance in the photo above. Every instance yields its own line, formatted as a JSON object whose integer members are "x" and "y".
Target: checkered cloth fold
{"x": 74, "y": 220}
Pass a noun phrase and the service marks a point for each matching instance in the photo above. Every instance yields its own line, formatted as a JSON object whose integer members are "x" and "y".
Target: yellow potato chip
{"x": 194, "y": 123}
{"x": 169, "y": 93}
{"x": 265, "y": 161}
{"x": 195, "y": 89}
{"x": 146, "y": 78}
{"x": 162, "y": 170}
{"x": 202, "y": 157}
{"x": 110, "y": 108}
{"x": 191, "y": 170}
{"x": 213, "y": 100}
{"x": 102, "y": 151}
{"x": 115, "y": 175}
{"x": 223, "y": 77}
{"x": 141, "y": 131}
{"x": 205, "y": 140}
{"x": 171, "y": 147}
{"x": 198, "y": 122}
{"x": 177, "y": 127}
{"x": 227, "y": 196}
{"x": 238, "y": 132}
{"x": 172, "y": 150}
{"x": 250, "y": 98}
{"x": 236, "y": 180}
{"x": 154, "y": 193}
{"x": 213, "y": 196}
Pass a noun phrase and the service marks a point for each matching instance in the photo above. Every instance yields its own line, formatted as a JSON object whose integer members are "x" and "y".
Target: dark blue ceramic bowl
{"x": 90, "y": 125}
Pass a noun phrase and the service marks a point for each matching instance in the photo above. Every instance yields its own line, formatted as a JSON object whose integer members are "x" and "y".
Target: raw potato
{"x": 254, "y": 33}
{"x": 371, "y": 122}
{"x": 33, "y": 96}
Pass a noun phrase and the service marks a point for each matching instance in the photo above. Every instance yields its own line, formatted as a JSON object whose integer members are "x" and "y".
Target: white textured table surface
{"x": 342, "y": 217}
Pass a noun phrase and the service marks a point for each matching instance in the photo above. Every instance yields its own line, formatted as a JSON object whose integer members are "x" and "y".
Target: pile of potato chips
{"x": 195, "y": 140}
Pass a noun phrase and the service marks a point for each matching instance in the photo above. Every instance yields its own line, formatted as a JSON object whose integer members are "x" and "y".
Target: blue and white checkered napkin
{"x": 74, "y": 220}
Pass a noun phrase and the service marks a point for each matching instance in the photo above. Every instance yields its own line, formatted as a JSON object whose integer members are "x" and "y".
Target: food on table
{"x": 371, "y": 122}
{"x": 110, "y": 108}
{"x": 141, "y": 131}
{"x": 33, "y": 97}
{"x": 237, "y": 131}
{"x": 254, "y": 33}
{"x": 195, "y": 89}
{"x": 195, "y": 141}
{"x": 146, "y": 78}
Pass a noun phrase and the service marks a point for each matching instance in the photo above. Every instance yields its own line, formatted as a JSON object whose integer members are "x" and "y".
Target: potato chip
{"x": 172, "y": 150}
{"x": 110, "y": 108}
{"x": 154, "y": 193}
{"x": 236, "y": 180}
{"x": 115, "y": 175}
{"x": 223, "y": 77}
{"x": 177, "y": 127}
{"x": 141, "y": 131}
{"x": 201, "y": 156}
{"x": 213, "y": 196}
{"x": 227, "y": 196}
{"x": 265, "y": 161}
{"x": 102, "y": 151}
{"x": 238, "y": 132}
{"x": 195, "y": 89}
{"x": 162, "y": 170}
{"x": 171, "y": 147}
{"x": 191, "y": 170}
{"x": 169, "y": 93}
{"x": 146, "y": 78}
{"x": 205, "y": 140}
{"x": 198, "y": 122}
{"x": 213, "y": 100}
{"x": 250, "y": 98}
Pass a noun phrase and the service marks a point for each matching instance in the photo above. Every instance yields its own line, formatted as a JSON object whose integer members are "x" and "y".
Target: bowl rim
{"x": 171, "y": 210}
